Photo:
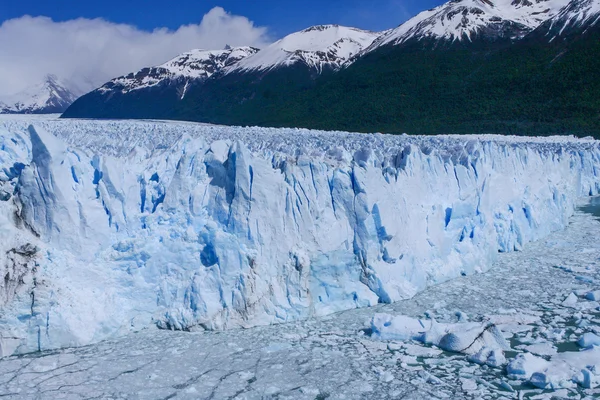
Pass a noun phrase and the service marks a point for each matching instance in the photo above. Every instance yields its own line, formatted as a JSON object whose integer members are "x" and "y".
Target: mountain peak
{"x": 49, "y": 96}
{"x": 578, "y": 15}
{"x": 196, "y": 64}
{"x": 52, "y": 79}
{"x": 320, "y": 28}
{"x": 319, "y": 47}
{"x": 459, "y": 20}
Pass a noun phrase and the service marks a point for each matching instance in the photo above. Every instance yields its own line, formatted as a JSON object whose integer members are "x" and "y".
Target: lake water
{"x": 593, "y": 207}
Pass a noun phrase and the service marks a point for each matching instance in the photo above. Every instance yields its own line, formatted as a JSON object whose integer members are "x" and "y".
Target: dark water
{"x": 593, "y": 207}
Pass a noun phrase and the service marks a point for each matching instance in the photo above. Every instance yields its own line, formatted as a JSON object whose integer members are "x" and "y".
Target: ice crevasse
{"x": 110, "y": 227}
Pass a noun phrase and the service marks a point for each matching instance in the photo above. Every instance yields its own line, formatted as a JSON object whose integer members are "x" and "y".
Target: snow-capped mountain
{"x": 577, "y": 15}
{"x": 222, "y": 76}
{"x": 196, "y": 65}
{"x": 395, "y": 89}
{"x": 460, "y": 20}
{"x": 47, "y": 97}
{"x": 319, "y": 47}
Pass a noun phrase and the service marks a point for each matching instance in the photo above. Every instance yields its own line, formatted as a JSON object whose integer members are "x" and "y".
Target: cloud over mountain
{"x": 88, "y": 52}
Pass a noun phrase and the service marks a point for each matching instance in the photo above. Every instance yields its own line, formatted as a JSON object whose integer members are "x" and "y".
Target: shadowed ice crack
{"x": 191, "y": 381}
{"x": 132, "y": 371}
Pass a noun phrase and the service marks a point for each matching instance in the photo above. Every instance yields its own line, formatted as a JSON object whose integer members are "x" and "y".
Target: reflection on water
{"x": 593, "y": 207}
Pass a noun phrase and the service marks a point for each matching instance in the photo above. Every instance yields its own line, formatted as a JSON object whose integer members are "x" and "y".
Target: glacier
{"x": 110, "y": 227}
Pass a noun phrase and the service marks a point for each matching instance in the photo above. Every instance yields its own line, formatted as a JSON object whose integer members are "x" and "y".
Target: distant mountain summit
{"x": 468, "y": 20}
{"x": 195, "y": 65}
{"x": 319, "y": 47}
{"x": 47, "y": 97}
{"x": 576, "y": 18}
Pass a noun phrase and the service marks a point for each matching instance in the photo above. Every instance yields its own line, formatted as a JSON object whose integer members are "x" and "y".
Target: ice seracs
{"x": 318, "y": 47}
{"x": 47, "y": 97}
{"x": 187, "y": 226}
{"x": 195, "y": 65}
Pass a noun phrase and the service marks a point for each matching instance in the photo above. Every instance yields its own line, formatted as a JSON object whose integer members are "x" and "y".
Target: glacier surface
{"x": 110, "y": 227}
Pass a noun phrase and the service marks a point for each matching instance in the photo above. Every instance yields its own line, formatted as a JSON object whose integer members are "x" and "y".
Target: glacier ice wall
{"x": 115, "y": 226}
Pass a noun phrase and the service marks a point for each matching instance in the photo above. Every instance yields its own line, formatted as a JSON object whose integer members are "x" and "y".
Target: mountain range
{"x": 467, "y": 66}
{"x": 48, "y": 97}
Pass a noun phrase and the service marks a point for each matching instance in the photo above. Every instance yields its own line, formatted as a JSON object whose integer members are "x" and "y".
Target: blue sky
{"x": 281, "y": 17}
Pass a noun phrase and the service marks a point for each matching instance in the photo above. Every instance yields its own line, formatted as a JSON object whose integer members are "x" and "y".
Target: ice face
{"x": 186, "y": 226}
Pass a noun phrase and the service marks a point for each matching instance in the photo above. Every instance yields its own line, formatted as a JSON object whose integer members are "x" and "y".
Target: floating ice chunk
{"x": 387, "y": 327}
{"x": 552, "y": 379}
{"x": 588, "y": 340}
{"x": 588, "y": 379}
{"x": 563, "y": 370}
{"x": 584, "y": 278}
{"x": 513, "y": 318}
{"x": 468, "y": 385}
{"x": 462, "y": 317}
{"x": 525, "y": 365}
{"x": 386, "y": 377}
{"x": 496, "y": 359}
{"x": 493, "y": 358}
{"x": 542, "y": 349}
{"x": 593, "y": 296}
{"x": 394, "y": 346}
{"x": 421, "y": 351}
{"x": 506, "y": 386}
{"x": 429, "y": 378}
{"x": 570, "y": 301}
{"x": 555, "y": 334}
{"x": 468, "y": 338}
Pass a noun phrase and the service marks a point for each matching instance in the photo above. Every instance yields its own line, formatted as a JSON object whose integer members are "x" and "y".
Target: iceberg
{"x": 564, "y": 370}
{"x": 482, "y": 341}
{"x": 589, "y": 340}
{"x": 110, "y": 227}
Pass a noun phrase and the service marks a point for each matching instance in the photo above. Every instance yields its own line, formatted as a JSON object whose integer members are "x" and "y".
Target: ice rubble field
{"x": 110, "y": 227}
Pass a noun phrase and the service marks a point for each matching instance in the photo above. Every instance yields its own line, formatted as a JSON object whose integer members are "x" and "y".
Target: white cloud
{"x": 89, "y": 52}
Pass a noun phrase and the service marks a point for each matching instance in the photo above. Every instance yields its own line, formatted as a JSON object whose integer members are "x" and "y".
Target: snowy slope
{"x": 462, "y": 19}
{"x": 193, "y": 65}
{"x": 116, "y": 226}
{"x": 47, "y": 97}
{"x": 578, "y": 14}
{"x": 319, "y": 47}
